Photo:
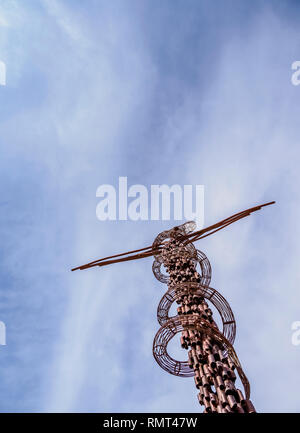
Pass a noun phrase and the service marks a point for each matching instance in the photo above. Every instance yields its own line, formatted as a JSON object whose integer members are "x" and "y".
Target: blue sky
{"x": 185, "y": 92}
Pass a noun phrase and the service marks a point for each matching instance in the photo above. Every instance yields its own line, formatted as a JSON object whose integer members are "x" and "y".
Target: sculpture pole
{"x": 211, "y": 358}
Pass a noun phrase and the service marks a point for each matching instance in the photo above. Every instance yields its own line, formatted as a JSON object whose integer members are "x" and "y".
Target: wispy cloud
{"x": 117, "y": 90}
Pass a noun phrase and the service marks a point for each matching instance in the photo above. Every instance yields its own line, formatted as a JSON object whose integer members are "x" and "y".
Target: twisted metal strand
{"x": 219, "y": 302}
{"x": 181, "y": 368}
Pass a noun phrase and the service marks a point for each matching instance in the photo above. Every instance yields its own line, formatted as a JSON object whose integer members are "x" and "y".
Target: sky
{"x": 173, "y": 92}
